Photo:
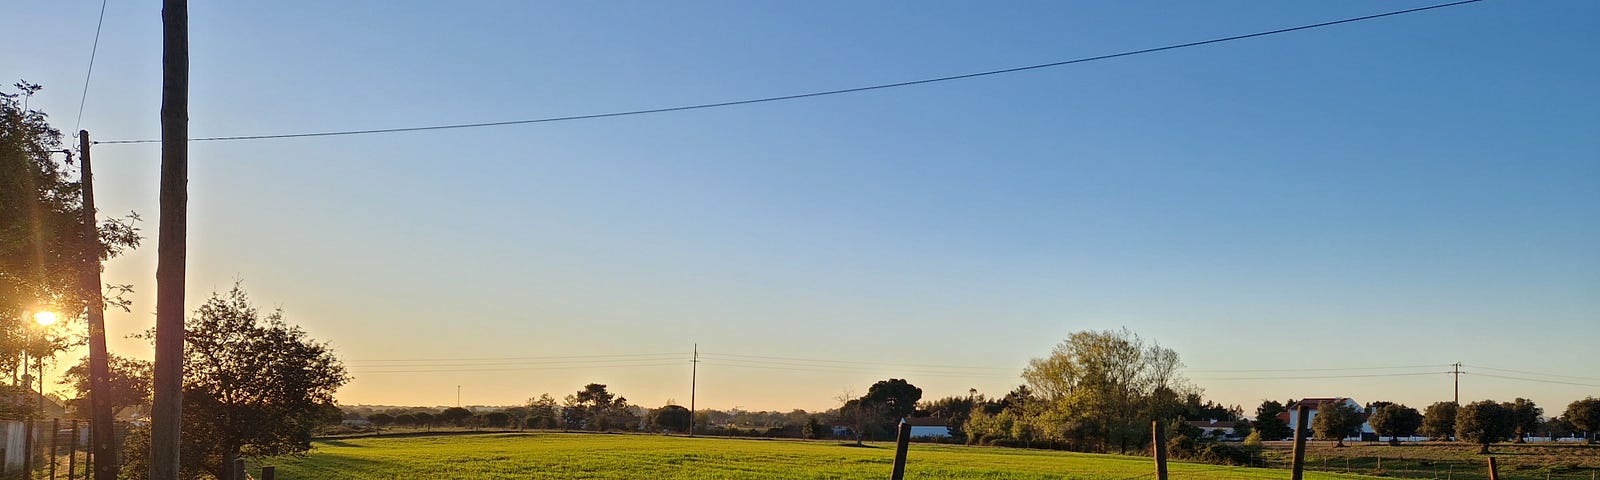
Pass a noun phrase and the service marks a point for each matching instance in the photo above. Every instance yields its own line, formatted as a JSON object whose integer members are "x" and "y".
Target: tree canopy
{"x": 253, "y": 385}
{"x": 1584, "y": 415}
{"x": 1484, "y": 422}
{"x": 1104, "y": 387}
{"x": 1439, "y": 420}
{"x": 1335, "y": 421}
{"x": 1394, "y": 421}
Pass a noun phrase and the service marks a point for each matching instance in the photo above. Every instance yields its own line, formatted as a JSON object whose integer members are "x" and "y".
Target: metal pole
{"x": 1302, "y": 410}
{"x": 171, "y": 253}
{"x": 1158, "y": 433}
{"x": 901, "y": 444}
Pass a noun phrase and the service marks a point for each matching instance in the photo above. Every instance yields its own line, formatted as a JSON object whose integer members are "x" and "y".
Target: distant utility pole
{"x": 167, "y": 411}
{"x": 101, "y": 439}
{"x": 694, "y": 373}
{"x": 458, "y": 396}
{"x": 1456, "y": 371}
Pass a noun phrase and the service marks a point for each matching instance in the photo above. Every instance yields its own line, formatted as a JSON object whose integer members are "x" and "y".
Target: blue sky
{"x": 1414, "y": 190}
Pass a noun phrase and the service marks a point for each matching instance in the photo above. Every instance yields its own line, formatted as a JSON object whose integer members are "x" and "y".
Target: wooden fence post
{"x": 55, "y": 437}
{"x": 238, "y": 469}
{"x": 1494, "y": 470}
{"x": 1303, "y": 411}
{"x": 1158, "y": 434}
{"x": 269, "y": 473}
{"x": 901, "y": 443}
{"x": 72, "y": 453}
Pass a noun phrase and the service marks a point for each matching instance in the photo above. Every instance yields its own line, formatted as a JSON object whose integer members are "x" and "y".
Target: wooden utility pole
{"x": 1158, "y": 434}
{"x": 99, "y": 362}
{"x": 1303, "y": 411}
{"x": 167, "y": 412}
{"x": 694, "y": 372}
{"x": 1456, "y": 371}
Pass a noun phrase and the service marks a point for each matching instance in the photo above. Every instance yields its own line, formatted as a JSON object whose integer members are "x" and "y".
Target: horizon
{"x": 1335, "y": 212}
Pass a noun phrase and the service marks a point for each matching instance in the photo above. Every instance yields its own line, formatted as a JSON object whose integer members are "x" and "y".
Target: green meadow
{"x": 576, "y": 455}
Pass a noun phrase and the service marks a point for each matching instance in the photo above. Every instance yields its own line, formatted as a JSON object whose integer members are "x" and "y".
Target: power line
{"x": 518, "y": 369}
{"x": 811, "y": 94}
{"x": 1336, "y": 369}
{"x": 849, "y": 362}
{"x": 1539, "y": 380}
{"x": 1374, "y": 375}
{"x": 1524, "y": 372}
{"x": 92, "y": 51}
{"x": 548, "y": 357}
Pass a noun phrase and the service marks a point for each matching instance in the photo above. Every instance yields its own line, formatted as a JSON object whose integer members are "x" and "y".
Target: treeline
{"x": 1483, "y": 422}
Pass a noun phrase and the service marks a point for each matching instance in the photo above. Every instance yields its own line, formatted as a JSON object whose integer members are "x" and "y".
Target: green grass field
{"x": 574, "y": 455}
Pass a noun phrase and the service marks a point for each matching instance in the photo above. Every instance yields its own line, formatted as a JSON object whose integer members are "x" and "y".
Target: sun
{"x": 46, "y": 318}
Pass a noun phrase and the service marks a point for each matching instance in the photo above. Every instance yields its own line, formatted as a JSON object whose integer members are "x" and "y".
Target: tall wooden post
{"x": 238, "y": 469}
{"x": 72, "y": 453}
{"x": 171, "y": 253}
{"x": 1494, "y": 470}
{"x": 99, "y": 362}
{"x": 902, "y": 442}
{"x": 269, "y": 473}
{"x": 1302, "y": 410}
{"x": 1158, "y": 434}
{"x": 55, "y": 430}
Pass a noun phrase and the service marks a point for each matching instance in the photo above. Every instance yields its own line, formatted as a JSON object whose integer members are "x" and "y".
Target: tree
{"x": 425, "y": 419}
{"x": 455, "y": 416}
{"x": 252, "y": 384}
{"x": 1439, "y": 420}
{"x": 594, "y": 408}
{"x": 45, "y": 247}
{"x": 130, "y": 383}
{"x": 407, "y": 419}
{"x": 381, "y": 419}
{"x": 861, "y": 417}
{"x": 1524, "y": 417}
{"x": 1584, "y": 415}
{"x": 898, "y": 397}
{"x": 955, "y": 411}
{"x": 1484, "y": 422}
{"x": 543, "y": 412}
{"x": 1268, "y": 423}
{"x": 1395, "y": 421}
{"x": 497, "y": 419}
{"x": 1108, "y": 384}
{"x": 1335, "y": 420}
{"x": 672, "y": 418}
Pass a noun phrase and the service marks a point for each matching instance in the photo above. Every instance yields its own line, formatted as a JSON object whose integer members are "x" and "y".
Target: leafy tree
{"x": 497, "y": 419}
{"x": 1395, "y": 421}
{"x": 1524, "y": 417}
{"x": 406, "y": 419}
{"x": 1243, "y": 428}
{"x": 130, "y": 383}
{"x": 455, "y": 416}
{"x": 543, "y": 412}
{"x": 955, "y": 411}
{"x": 1439, "y": 420}
{"x": 425, "y": 419}
{"x": 1584, "y": 415}
{"x": 44, "y": 246}
{"x": 862, "y": 417}
{"x": 381, "y": 419}
{"x": 1484, "y": 422}
{"x": 1107, "y": 385}
{"x": 1268, "y": 423}
{"x": 252, "y": 385}
{"x": 672, "y": 418}
{"x": 594, "y": 408}
{"x": 1335, "y": 420}
{"x": 897, "y": 396}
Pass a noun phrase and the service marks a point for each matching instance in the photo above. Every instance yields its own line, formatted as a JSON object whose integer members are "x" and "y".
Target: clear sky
{"x": 1409, "y": 191}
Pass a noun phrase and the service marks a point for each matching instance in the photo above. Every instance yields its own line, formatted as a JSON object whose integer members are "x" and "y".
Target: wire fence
{"x": 52, "y": 448}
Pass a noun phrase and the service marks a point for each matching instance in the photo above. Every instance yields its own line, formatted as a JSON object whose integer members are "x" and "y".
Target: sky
{"x": 1335, "y": 212}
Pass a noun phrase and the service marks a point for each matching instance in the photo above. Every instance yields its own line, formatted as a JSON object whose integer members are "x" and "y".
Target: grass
{"x": 1455, "y": 461}
{"x": 576, "y": 455}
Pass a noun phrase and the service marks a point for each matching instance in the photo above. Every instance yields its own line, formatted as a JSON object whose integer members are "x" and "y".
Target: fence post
{"x": 1494, "y": 470}
{"x": 901, "y": 443}
{"x": 72, "y": 453}
{"x": 55, "y": 431}
{"x": 269, "y": 473}
{"x": 1300, "y": 442}
{"x": 1158, "y": 433}
{"x": 238, "y": 469}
